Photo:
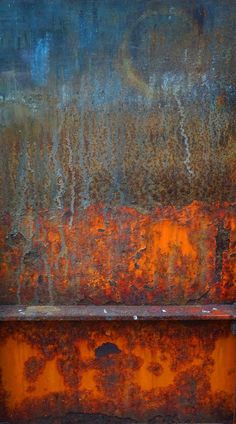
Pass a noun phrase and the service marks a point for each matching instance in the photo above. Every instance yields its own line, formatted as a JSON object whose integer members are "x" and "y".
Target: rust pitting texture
{"x": 121, "y": 255}
{"x": 33, "y": 368}
{"x": 117, "y": 175}
{"x": 166, "y": 136}
{"x": 222, "y": 245}
{"x": 137, "y": 371}
{"x": 118, "y": 152}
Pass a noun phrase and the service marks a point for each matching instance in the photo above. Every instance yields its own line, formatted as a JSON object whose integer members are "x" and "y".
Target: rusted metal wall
{"x": 118, "y": 151}
{"x": 122, "y": 255}
{"x": 99, "y": 372}
{"x": 118, "y": 186}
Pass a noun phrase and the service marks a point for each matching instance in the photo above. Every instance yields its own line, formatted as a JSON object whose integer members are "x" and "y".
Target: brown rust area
{"x": 33, "y": 368}
{"x": 121, "y": 255}
{"x": 222, "y": 245}
{"x": 83, "y": 418}
{"x": 141, "y": 371}
{"x": 132, "y": 157}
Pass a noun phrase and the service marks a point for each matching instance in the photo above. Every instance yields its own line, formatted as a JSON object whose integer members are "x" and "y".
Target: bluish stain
{"x": 83, "y": 50}
{"x": 40, "y": 62}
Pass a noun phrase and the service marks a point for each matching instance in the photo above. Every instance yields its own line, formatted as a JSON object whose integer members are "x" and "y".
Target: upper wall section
{"x": 125, "y": 102}
{"x": 118, "y": 153}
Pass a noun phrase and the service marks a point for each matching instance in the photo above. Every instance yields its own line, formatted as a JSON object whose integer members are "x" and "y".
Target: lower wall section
{"x": 107, "y": 372}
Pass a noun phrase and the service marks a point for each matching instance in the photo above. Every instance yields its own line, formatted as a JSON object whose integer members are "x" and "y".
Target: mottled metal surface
{"x": 121, "y": 255}
{"x": 118, "y": 193}
{"x": 117, "y": 151}
{"x": 158, "y": 372}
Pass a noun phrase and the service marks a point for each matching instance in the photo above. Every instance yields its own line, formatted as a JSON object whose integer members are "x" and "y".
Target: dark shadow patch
{"x": 106, "y": 349}
{"x": 31, "y": 257}
{"x": 15, "y": 239}
{"x": 199, "y": 15}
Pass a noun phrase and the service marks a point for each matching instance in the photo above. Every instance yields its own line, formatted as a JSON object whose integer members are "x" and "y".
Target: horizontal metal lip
{"x": 117, "y": 312}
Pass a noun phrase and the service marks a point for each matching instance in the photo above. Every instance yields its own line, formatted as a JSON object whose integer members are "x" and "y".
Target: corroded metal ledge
{"x": 116, "y": 312}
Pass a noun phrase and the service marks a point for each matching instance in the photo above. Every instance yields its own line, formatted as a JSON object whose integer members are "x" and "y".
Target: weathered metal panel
{"x": 118, "y": 187}
{"x": 118, "y": 151}
{"x": 122, "y": 255}
{"x": 147, "y": 372}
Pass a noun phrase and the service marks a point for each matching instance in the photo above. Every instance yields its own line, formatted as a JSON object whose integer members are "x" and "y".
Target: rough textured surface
{"x": 117, "y": 151}
{"x": 117, "y": 187}
{"x": 163, "y": 372}
{"x": 120, "y": 255}
{"x": 121, "y": 101}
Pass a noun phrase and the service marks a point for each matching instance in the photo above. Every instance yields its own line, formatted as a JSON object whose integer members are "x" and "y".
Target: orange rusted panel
{"x": 183, "y": 372}
{"x": 121, "y": 255}
{"x": 118, "y": 188}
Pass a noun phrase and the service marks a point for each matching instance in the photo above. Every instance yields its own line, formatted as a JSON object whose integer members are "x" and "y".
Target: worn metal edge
{"x": 116, "y": 312}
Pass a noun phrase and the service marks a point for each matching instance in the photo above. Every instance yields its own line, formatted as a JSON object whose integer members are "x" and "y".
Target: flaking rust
{"x": 120, "y": 255}
{"x": 118, "y": 153}
{"x": 117, "y": 173}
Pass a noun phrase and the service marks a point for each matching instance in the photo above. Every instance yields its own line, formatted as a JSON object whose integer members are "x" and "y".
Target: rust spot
{"x": 69, "y": 369}
{"x": 221, "y": 100}
{"x": 155, "y": 368}
{"x": 33, "y": 368}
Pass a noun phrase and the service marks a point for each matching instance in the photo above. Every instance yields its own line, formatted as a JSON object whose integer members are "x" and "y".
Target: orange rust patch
{"x": 145, "y": 366}
{"x": 121, "y": 255}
